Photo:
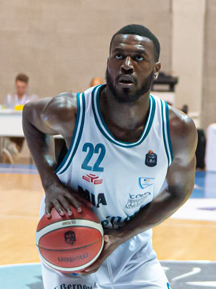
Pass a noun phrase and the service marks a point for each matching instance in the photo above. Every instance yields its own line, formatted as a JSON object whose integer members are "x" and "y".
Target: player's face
{"x": 21, "y": 88}
{"x": 131, "y": 67}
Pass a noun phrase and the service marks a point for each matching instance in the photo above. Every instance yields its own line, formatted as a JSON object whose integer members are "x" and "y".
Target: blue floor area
{"x": 205, "y": 185}
{"x": 17, "y": 169}
{"x": 181, "y": 275}
{"x": 25, "y": 276}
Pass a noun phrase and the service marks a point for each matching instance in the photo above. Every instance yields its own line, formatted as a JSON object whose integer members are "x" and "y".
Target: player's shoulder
{"x": 64, "y": 100}
{"x": 180, "y": 123}
{"x": 183, "y": 131}
{"x": 62, "y": 107}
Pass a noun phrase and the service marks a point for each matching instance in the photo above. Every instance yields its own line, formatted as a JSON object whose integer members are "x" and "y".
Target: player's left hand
{"x": 111, "y": 242}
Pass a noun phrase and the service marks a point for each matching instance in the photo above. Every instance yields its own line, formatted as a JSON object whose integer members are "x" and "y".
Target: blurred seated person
{"x": 96, "y": 81}
{"x": 13, "y": 145}
{"x": 21, "y": 97}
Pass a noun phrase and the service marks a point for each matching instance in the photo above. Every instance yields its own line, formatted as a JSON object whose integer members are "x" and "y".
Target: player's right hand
{"x": 62, "y": 198}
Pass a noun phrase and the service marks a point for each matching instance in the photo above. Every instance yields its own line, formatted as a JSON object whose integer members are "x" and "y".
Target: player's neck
{"x": 124, "y": 115}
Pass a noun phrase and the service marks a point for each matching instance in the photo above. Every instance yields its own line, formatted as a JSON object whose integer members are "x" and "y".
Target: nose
{"x": 127, "y": 66}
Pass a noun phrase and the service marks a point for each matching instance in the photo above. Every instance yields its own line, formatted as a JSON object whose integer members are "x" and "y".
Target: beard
{"x": 126, "y": 96}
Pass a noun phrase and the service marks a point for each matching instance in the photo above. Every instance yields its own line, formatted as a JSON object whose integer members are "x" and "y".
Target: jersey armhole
{"x": 62, "y": 167}
{"x": 166, "y": 131}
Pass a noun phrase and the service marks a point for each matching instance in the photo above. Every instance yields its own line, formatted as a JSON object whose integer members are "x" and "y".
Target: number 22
{"x": 90, "y": 149}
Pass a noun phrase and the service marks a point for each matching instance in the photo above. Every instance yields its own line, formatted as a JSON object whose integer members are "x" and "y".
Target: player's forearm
{"x": 161, "y": 208}
{"x": 39, "y": 149}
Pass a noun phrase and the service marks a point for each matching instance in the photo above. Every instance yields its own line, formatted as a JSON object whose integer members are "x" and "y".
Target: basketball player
{"x": 131, "y": 142}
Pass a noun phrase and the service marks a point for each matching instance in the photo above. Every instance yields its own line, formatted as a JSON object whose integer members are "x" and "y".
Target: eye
{"x": 139, "y": 58}
{"x": 119, "y": 56}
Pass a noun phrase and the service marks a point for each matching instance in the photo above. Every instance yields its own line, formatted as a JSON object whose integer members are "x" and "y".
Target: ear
{"x": 157, "y": 68}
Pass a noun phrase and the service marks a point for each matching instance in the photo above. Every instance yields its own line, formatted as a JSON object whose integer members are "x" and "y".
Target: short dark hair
{"x": 22, "y": 77}
{"x": 140, "y": 30}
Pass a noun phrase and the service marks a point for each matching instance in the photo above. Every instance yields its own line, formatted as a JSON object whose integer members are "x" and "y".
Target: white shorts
{"x": 118, "y": 271}
{"x": 133, "y": 265}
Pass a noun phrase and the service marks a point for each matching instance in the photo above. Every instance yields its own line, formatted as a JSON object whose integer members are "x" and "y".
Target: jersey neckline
{"x": 103, "y": 127}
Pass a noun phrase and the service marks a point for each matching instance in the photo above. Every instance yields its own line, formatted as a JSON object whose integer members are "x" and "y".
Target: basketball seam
{"x": 74, "y": 269}
{"x": 72, "y": 249}
{"x": 54, "y": 222}
{"x": 80, "y": 226}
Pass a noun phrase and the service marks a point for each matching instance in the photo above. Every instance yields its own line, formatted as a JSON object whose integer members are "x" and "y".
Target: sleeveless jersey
{"x": 118, "y": 178}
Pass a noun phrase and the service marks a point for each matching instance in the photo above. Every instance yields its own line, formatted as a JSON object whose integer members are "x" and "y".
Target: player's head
{"x": 21, "y": 83}
{"x": 133, "y": 62}
{"x": 135, "y": 29}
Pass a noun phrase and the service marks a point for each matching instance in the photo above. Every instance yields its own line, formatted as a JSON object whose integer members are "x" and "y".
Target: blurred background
{"x": 62, "y": 46}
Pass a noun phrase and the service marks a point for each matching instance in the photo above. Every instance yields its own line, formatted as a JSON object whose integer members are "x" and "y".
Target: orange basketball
{"x": 69, "y": 244}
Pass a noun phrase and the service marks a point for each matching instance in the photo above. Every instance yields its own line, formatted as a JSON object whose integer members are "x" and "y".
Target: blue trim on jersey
{"x": 168, "y": 131}
{"x": 79, "y": 134}
{"x": 104, "y": 129}
{"x": 164, "y": 122}
{"x": 162, "y": 114}
{"x": 74, "y": 133}
{"x": 57, "y": 170}
{"x": 151, "y": 115}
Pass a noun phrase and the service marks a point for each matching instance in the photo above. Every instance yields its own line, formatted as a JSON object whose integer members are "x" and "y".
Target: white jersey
{"x": 118, "y": 178}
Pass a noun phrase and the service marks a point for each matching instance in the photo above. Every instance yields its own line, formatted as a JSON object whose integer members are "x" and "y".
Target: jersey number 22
{"x": 90, "y": 149}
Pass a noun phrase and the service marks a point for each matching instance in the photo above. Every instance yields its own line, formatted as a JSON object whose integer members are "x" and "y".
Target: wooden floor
{"x": 20, "y": 196}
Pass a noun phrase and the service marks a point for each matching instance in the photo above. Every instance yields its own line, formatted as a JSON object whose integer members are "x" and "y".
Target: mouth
{"x": 126, "y": 81}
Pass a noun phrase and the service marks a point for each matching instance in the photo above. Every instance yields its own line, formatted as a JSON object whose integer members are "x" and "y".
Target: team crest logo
{"x": 135, "y": 201}
{"x": 151, "y": 159}
{"x": 145, "y": 182}
{"x": 70, "y": 237}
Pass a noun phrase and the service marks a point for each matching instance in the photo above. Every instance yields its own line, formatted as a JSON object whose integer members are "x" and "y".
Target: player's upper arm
{"x": 52, "y": 115}
{"x": 181, "y": 173}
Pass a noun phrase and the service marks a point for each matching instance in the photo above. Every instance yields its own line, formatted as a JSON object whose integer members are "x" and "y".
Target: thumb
{"x": 106, "y": 241}
{"x": 106, "y": 238}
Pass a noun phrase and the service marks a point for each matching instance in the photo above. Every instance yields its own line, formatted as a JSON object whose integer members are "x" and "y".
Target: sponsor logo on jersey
{"x": 70, "y": 237}
{"x": 117, "y": 221}
{"x": 92, "y": 179}
{"x": 96, "y": 200}
{"x": 145, "y": 182}
{"x": 151, "y": 159}
{"x": 135, "y": 201}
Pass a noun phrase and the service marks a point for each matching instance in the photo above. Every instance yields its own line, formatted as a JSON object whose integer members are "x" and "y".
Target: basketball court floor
{"x": 185, "y": 243}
